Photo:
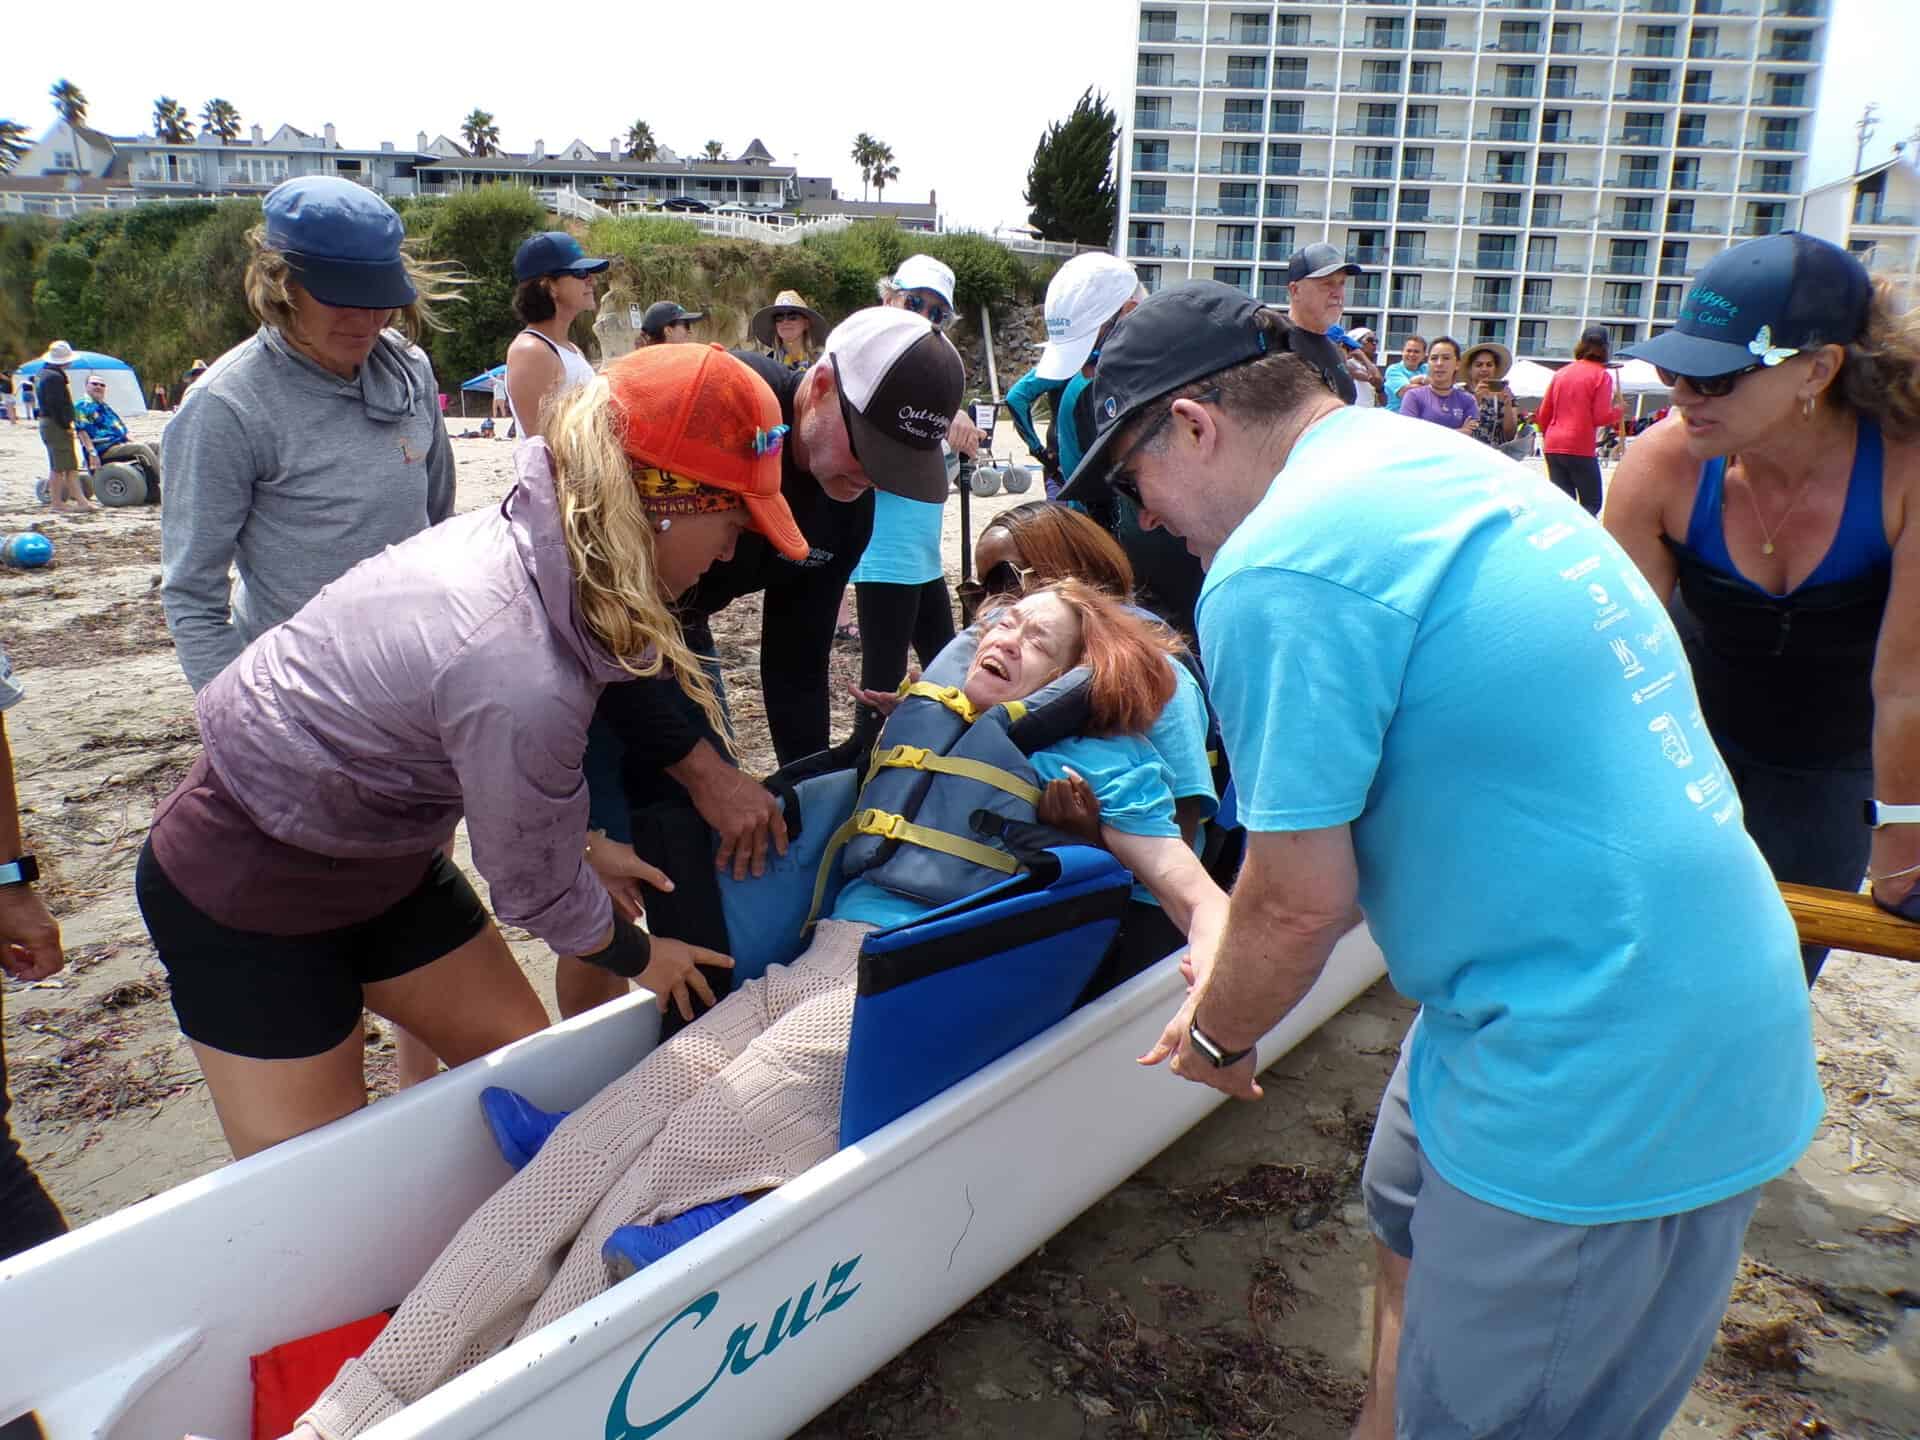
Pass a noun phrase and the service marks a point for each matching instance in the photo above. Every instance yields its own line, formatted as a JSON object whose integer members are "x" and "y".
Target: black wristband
{"x": 627, "y": 953}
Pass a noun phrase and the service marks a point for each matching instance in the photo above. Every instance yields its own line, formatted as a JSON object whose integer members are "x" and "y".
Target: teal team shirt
{"x": 1415, "y": 636}
{"x": 905, "y": 548}
{"x": 1125, "y": 773}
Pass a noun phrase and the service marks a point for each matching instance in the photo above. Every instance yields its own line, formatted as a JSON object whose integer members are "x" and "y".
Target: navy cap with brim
{"x": 353, "y": 284}
{"x": 663, "y": 313}
{"x": 1681, "y": 354}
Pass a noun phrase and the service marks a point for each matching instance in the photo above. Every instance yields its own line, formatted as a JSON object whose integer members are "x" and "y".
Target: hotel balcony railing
{"x": 1153, "y": 250}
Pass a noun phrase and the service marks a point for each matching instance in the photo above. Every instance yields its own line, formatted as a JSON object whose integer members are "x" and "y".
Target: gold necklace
{"x": 1766, "y": 535}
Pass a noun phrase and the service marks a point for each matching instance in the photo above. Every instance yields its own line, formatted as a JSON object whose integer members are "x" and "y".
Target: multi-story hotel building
{"x": 1503, "y": 170}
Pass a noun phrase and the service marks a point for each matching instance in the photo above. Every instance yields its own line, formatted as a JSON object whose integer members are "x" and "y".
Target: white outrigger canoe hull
{"x": 140, "y": 1325}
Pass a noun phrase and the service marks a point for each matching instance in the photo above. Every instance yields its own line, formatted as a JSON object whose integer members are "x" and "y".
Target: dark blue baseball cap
{"x": 341, "y": 241}
{"x": 1172, "y": 338}
{"x": 554, "y": 252}
{"x": 1781, "y": 292}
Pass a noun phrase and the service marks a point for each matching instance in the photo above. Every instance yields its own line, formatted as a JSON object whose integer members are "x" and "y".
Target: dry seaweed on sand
{"x": 1213, "y": 1381}
{"x": 1266, "y": 1189}
{"x": 85, "y": 1081}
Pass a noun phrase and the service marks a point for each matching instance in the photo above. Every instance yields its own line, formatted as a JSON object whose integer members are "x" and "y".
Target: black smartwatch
{"x": 1219, "y": 1058}
{"x": 23, "y": 871}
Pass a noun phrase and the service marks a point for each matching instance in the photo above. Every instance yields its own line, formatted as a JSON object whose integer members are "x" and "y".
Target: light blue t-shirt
{"x": 1417, "y": 637}
{"x": 1396, "y": 379}
{"x": 1126, "y": 775}
{"x": 905, "y": 548}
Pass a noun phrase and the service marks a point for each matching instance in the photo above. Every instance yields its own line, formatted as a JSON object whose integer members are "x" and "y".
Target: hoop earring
{"x": 1806, "y": 407}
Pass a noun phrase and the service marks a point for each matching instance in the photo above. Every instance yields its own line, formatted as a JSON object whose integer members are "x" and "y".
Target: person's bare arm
{"x": 1295, "y": 898}
{"x": 1172, "y": 872}
{"x": 1896, "y": 687}
{"x": 532, "y": 372}
{"x": 1640, "y": 502}
{"x": 29, "y": 936}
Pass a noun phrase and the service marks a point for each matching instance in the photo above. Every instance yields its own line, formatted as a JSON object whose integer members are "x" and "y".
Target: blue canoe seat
{"x": 963, "y": 985}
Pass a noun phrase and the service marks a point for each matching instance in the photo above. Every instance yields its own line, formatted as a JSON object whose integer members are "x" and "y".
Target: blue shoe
{"x": 519, "y": 1126}
{"x": 634, "y": 1247}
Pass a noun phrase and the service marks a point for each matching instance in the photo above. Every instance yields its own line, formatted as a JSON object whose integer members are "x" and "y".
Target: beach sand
{"x": 1223, "y": 1290}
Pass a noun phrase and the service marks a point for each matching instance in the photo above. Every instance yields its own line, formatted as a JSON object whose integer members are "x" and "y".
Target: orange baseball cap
{"x": 696, "y": 411}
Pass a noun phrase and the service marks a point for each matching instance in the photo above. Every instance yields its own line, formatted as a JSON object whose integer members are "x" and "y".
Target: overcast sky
{"x": 962, "y": 103}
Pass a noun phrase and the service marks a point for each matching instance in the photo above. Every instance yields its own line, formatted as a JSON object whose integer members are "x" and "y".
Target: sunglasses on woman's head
{"x": 935, "y": 312}
{"x": 1707, "y": 387}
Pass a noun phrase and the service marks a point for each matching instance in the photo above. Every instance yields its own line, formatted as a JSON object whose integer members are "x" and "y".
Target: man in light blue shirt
{"x": 1448, "y": 698}
{"x": 1412, "y": 362}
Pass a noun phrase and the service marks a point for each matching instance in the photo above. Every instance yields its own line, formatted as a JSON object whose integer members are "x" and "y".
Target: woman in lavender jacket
{"x": 298, "y": 872}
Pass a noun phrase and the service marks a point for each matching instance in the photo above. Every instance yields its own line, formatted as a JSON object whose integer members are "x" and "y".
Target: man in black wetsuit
{"x": 871, "y": 411}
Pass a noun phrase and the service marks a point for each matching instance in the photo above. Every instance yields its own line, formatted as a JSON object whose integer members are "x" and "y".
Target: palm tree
{"x": 13, "y": 144}
{"x": 864, "y": 146}
{"x": 481, "y": 134}
{"x": 715, "y": 150}
{"x": 885, "y": 172}
{"x": 170, "y": 122}
{"x": 640, "y": 142}
{"x": 218, "y": 117}
{"x": 70, "y": 100}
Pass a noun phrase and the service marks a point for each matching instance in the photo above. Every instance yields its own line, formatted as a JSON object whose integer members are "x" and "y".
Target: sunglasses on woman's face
{"x": 935, "y": 312}
{"x": 1707, "y": 387}
{"x": 782, "y": 319}
{"x": 1006, "y": 578}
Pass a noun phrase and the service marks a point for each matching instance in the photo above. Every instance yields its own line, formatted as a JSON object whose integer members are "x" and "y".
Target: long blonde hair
{"x": 1881, "y": 376}
{"x": 610, "y": 544}
{"x": 270, "y": 279}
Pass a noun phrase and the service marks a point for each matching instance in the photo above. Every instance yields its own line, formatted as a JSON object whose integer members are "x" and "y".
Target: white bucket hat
{"x": 59, "y": 353}
{"x": 1084, "y": 294}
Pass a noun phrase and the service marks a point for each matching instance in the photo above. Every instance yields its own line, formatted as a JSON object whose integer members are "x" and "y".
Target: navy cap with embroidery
{"x": 554, "y": 252}
{"x": 1172, "y": 338}
{"x": 1760, "y": 302}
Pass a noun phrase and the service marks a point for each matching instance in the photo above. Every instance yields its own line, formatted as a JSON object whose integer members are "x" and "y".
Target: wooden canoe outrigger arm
{"x": 1850, "y": 922}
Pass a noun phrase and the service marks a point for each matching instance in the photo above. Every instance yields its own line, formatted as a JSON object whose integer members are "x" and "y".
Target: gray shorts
{"x": 1516, "y": 1327}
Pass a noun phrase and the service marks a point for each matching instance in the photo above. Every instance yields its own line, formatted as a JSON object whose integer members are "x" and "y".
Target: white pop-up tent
{"x": 1528, "y": 379}
{"x": 123, "y": 385}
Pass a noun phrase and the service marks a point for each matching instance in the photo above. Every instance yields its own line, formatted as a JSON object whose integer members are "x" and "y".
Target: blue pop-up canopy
{"x": 123, "y": 386}
{"x": 484, "y": 380}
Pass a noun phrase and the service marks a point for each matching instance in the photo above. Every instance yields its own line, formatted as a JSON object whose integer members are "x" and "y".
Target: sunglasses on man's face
{"x": 935, "y": 312}
{"x": 1707, "y": 387}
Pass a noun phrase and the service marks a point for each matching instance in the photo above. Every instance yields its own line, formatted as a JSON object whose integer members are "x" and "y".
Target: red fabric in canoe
{"x": 289, "y": 1378}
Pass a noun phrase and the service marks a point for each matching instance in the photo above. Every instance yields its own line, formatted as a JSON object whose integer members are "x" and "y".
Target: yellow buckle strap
{"x": 898, "y": 827}
{"x": 947, "y": 695}
{"x": 917, "y": 757}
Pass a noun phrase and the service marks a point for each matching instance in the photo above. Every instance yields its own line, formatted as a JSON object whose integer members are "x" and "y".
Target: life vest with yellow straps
{"x": 917, "y": 826}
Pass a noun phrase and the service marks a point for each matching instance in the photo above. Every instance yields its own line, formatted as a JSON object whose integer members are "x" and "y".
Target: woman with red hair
{"x": 748, "y": 1096}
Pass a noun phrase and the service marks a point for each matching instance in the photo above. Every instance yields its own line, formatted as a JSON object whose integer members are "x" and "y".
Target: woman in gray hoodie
{"x": 297, "y": 874}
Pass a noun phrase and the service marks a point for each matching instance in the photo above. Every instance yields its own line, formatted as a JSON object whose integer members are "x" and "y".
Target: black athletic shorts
{"x": 288, "y": 997}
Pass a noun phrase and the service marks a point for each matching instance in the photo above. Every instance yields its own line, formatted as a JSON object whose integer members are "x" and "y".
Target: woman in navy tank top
{"x": 1779, "y": 510}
